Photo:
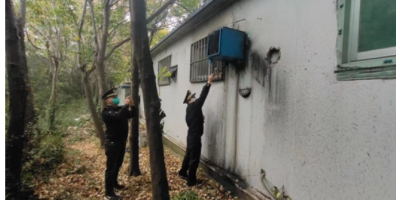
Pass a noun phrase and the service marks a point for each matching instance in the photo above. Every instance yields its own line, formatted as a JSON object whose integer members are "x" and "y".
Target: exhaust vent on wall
{"x": 226, "y": 44}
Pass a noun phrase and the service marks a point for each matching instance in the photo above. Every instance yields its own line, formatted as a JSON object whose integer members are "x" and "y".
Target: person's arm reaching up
{"x": 199, "y": 102}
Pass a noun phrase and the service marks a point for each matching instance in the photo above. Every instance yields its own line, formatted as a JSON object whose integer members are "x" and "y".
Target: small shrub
{"x": 51, "y": 150}
{"x": 186, "y": 195}
{"x": 42, "y": 159}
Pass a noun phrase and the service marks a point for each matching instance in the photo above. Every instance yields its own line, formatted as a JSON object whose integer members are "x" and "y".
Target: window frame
{"x": 354, "y": 32}
{"x": 374, "y": 64}
{"x": 160, "y": 83}
{"x": 198, "y": 54}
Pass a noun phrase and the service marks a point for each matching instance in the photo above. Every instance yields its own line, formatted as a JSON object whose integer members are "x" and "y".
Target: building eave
{"x": 199, "y": 16}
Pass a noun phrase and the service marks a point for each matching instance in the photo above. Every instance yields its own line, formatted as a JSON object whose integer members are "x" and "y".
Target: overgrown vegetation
{"x": 44, "y": 157}
{"x": 46, "y": 149}
{"x": 186, "y": 195}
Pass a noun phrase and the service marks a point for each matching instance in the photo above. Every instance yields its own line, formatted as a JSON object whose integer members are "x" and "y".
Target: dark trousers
{"x": 115, "y": 152}
{"x": 192, "y": 159}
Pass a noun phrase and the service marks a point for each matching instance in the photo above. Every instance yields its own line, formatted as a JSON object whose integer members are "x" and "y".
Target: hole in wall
{"x": 273, "y": 55}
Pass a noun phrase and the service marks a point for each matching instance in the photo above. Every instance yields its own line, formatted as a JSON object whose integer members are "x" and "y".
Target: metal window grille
{"x": 200, "y": 66}
{"x": 166, "y": 62}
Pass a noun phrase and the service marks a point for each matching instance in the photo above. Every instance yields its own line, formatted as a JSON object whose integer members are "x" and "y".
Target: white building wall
{"x": 321, "y": 138}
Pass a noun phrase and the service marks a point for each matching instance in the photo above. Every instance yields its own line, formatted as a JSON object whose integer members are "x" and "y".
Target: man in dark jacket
{"x": 195, "y": 123}
{"x": 116, "y": 120}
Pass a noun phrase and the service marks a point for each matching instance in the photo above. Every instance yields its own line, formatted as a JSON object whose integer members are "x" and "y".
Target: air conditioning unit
{"x": 226, "y": 44}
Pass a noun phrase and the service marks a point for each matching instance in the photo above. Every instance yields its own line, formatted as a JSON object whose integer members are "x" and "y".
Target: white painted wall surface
{"x": 321, "y": 138}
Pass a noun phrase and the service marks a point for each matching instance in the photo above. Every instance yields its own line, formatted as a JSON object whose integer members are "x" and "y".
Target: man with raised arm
{"x": 195, "y": 123}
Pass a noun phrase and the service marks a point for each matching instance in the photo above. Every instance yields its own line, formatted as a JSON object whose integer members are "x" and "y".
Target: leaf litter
{"x": 81, "y": 175}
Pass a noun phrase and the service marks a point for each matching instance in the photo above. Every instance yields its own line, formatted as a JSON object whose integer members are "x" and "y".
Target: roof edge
{"x": 199, "y": 16}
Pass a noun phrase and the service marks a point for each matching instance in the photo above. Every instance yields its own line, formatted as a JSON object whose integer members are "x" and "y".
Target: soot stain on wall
{"x": 215, "y": 142}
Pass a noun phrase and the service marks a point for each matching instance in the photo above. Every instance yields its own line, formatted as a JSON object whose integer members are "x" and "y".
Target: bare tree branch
{"x": 117, "y": 46}
{"x": 96, "y": 40}
{"x": 41, "y": 58}
{"x": 162, "y": 8}
{"x": 71, "y": 12}
{"x": 115, "y": 27}
{"x": 104, "y": 34}
{"x": 81, "y": 21}
{"x": 34, "y": 46}
{"x": 149, "y": 19}
{"x": 45, "y": 37}
{"x": 152, "y": 33}
{"x": 179, "y": 4}
{"x": 156, "y": 28}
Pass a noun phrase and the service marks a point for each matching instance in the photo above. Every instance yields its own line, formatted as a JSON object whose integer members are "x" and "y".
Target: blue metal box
{"x": 226, "y": 44}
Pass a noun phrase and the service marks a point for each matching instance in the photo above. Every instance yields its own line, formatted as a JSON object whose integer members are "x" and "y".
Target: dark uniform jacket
{"x": 116, "y": 120}
{"x": 194, "y": 116}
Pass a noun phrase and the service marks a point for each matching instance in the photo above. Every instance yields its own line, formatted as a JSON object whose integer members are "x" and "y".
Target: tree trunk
{"x": 134, "y": 169}
{"x": 101, "y": 79}
{"x": 53, "y": 98}
{"x": 30, "y": 117}
{"x": 92, "y": 107}
{"x": 150, "y": 100}
{"x": 15, "y": 137}
{"x": 93, "y": 87}
{"x": 55, "y": 59}
{"x": 87, "y": 85}
{"x": 100, "y": 64}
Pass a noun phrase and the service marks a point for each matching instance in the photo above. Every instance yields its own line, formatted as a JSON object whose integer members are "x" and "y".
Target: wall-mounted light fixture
{"x": 245, "y": 92}
{"x": 174, "y": 71}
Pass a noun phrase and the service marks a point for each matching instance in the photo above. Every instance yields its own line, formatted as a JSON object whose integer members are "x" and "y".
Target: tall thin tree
{"x": 86, "y": 83}
{"x": 15, "y": 137}
{"x": 150, "y": 100}
{"x": 101, "y": 48}
{"x": 134, "y": 169}
{"x": 30, "y": 116}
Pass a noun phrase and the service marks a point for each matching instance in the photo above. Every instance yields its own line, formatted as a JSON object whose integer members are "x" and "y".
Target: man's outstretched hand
{"x": 128, "y": 101}
{"x": 210, "y": 78}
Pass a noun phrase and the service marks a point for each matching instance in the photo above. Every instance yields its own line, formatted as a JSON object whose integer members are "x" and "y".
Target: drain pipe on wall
{"x": 236, "y": 121}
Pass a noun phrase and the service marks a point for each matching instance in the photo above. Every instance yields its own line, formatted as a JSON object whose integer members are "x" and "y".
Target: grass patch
{"x": 186, "y": 195}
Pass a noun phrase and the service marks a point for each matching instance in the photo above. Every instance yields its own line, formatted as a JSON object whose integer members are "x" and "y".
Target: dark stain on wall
{"x": 259, "y": 66}
{"x": 262, "y": 68}
{"x": 216, "y": 140}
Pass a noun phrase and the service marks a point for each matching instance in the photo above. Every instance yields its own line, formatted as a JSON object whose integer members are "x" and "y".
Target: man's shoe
{"x": 198, "y": 182}
{"x": 182, "y": 175}
{"x": 119, "y": 187}
{"x": 112, "y": 197}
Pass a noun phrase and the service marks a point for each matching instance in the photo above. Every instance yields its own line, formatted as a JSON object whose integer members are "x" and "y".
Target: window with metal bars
{"x": 166, "y": 62}
{"x": 200, "y": 66}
